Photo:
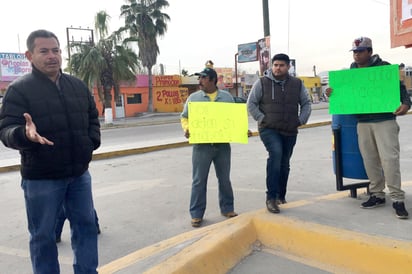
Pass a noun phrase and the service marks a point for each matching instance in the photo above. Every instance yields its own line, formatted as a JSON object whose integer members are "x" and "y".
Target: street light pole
{"x": 236, "y": 83}
{"x": 288, "y": 24}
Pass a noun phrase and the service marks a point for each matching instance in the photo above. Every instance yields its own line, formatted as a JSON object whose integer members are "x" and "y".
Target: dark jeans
{"x": 62, "y": 218}
{"x": 202, "y": 157}
{"x": 280, "y": 149}
{"x": 44, "y": 200}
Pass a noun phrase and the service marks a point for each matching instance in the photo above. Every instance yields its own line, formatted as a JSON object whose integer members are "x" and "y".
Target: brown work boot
{"x": 230, "y": 214}
{"x": 196, "y": 222}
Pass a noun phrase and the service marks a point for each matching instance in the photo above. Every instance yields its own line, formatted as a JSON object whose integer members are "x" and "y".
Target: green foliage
{"x": 105, "y": 62}
{"x": 185, "y": 72}
{"x": 144, "y": 22}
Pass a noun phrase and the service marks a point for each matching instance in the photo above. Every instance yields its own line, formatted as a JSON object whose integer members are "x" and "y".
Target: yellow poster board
{"x": 217, "y": 122}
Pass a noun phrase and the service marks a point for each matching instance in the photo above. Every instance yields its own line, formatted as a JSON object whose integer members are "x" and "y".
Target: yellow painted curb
{"x": 335, "y": 250}
{"x": 174, "y": 242}
{"x": 132, "y": 151}
{"x": 344, "y": 251}
{"x": 9, "y": 168}
{"x": 216, "y": 252}
{"x": 220, "y": 247}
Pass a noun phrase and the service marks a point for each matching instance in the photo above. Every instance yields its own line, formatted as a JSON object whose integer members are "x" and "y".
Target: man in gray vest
{"x": 279, "y": 103}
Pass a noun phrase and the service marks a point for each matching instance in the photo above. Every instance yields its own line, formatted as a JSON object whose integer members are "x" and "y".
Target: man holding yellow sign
{"x": 206, "y": 148}
{"x": 378, "y": 131}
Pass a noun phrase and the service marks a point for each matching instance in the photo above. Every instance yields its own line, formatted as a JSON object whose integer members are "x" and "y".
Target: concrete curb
{"x": 220, "y": 247}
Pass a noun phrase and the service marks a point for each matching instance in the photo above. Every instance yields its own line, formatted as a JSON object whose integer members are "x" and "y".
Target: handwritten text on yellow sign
{"x": 217, "y": 122}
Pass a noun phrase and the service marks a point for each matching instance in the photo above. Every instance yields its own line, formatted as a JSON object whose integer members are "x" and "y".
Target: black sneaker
{"x": 373, "y": 202}
{"x": 400, "y": 210}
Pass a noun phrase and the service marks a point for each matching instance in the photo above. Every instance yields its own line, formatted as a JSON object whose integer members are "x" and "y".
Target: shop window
{"x": 134, "y": 98}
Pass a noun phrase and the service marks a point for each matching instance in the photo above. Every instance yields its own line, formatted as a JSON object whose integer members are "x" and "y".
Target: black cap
{"x": 207, "y": 72}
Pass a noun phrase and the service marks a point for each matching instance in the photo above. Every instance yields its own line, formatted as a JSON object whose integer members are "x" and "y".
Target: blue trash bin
{"x": 351, "y": 159}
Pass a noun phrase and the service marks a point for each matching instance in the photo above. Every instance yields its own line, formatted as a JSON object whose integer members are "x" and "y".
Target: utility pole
{"x": 266, "y": 24}
{"x": 77, "y": 35}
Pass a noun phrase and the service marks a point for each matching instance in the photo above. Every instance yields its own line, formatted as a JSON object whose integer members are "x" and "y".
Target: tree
{"x": 185, "y": 72}
{"x": 105, "y": 63}
{"x": 144, "y": 22}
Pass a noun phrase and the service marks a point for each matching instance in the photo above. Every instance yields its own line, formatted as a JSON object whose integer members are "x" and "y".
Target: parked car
{"x": 239, "y": 99}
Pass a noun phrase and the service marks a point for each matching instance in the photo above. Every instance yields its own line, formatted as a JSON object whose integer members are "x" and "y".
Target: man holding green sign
{"x": 378, "y": 131}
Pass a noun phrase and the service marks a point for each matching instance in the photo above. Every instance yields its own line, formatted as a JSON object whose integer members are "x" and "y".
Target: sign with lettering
{"x": 169, "y": 99}
{"x": 224, "y": 78}
{"x": 13, "y": 65}
{"x": 364, "y": 90}
{"x": 166, "y": 80}
{"x": 247, "y": 52}
{"x": 217, "y": 122}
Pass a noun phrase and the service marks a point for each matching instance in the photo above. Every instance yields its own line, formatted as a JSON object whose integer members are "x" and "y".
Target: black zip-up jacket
{"x": 65, "y": 114}
{"x": 405, "y": 99}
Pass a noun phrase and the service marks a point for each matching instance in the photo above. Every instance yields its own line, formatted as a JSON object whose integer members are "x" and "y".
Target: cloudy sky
{"x": 314, "y": 32}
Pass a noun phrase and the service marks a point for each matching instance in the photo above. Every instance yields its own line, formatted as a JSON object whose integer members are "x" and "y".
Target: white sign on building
{"x": 13, "y": 65}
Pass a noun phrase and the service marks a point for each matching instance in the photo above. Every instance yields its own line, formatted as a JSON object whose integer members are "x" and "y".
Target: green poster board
{"x": 217, "y": 122}
{"x": 364, "y": 90}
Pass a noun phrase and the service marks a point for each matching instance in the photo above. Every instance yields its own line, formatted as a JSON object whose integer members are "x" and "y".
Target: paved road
{"x": 144, "y": 131}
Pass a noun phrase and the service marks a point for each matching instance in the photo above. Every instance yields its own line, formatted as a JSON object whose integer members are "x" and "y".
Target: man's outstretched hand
{"x": 31, "y": 132}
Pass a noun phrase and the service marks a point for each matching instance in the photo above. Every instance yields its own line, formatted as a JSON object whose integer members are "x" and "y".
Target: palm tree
{"x": 144, "y": 22}
{"x": 185, "y": 72}
{"x": 105, "y": 63}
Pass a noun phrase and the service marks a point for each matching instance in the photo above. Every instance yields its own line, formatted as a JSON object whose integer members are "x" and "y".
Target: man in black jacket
{"x": 51, "y": 118}
{"x": 378, "y": 138}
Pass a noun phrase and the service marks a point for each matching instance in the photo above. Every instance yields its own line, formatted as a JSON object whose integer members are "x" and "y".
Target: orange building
{"x": 168, "y": 96}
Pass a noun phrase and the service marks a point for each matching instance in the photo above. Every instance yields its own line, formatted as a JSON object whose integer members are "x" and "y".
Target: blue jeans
{"x": 44, "y": 200}
{"x": 202, "y": 157}
{"x": 62, "y": 218}
{"x": 280, "y": 149}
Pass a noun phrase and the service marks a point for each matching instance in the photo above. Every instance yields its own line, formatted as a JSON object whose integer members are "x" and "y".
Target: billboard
{"x": 224, "y": 78}
{"x": 13, "y": 65}
{"x": 247, "y": 52}
{"x": 292, "y": 68}
{"x": 264, "y": 54}
{"x": 401, "y": 23}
